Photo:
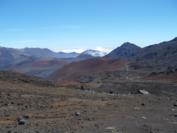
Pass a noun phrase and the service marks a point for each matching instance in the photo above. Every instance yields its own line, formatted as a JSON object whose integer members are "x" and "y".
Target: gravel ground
{"x": 28, "y": 108}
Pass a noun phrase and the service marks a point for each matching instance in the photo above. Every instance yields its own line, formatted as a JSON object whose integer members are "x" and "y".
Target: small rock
{"x": 144, "y": 92}
{"x": 111, "y": 92}
{"x": 143, "y": 117}
{"x": 22, "y": 120}
{"x": 82, "y": 87}
{"x": 173, "y": 110}
{"x": 26, "y": 116}
{"x": 77, "y": 113}
{"x": 142, "y": 104}
{"x": 110, "y": 128}
{"x": 175, "y": 104}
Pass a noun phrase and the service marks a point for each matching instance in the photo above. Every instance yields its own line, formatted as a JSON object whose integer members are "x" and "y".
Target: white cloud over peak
{"x": 80, "y": 50}
{"x": 77, "y": 50}
{"x": 102, "y": 49}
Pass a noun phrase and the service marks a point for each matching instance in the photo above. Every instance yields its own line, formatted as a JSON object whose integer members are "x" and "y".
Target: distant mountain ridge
{"x": 47, "y": 53}
{"x": 128, "y": 59}
{"x": 10, "y": 56}
{"x": 44, "y": 62}
{"x": 38, "y": 61}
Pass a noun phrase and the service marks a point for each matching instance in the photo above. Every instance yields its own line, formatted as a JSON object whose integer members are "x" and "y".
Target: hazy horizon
{"x": 77, "y": 25}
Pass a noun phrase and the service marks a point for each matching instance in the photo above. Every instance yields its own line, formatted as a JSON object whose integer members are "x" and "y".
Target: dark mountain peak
{"x": 127, "y": 51}
{"x": 128, "y": 45}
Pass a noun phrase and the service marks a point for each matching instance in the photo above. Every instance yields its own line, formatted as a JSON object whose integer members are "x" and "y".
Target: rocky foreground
{"x": 31, "y": 108}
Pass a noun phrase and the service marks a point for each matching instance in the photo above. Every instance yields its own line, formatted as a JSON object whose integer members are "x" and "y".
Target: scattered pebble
{"x": 143, "y": 117}
{"x": 110, "y": 128}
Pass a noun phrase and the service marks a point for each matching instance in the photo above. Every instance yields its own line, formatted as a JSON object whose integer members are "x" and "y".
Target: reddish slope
{"x": 40, "y": 67}
{"x": 87, "y": 67}
{"x": 163, "y": 77}
{"x": 49, "y": 62}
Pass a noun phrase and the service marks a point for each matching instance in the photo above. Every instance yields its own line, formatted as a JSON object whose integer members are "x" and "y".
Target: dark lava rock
{"x": 175, "y": 104}
{"x": 26, "y": 116}
{"x": 142, "y": 104}
{"x": 22, "y": 120}
{"x": 77, "y": 113}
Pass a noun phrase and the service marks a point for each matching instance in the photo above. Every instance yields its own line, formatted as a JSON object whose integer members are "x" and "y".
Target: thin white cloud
{"x": 103, "y": 49}
{"x": 77, "y": 50}
{"x": 80, "y": 50}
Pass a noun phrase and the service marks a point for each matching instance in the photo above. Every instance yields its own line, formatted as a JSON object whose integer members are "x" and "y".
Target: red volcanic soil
{"x": 164, "y": 77}
{"x": 87, "y": 67}
{"x": 40, "y": 67}
{"x": 48, "y": 62}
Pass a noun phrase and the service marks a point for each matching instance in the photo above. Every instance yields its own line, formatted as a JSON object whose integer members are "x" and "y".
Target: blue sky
{"x": 83, "y": 24}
